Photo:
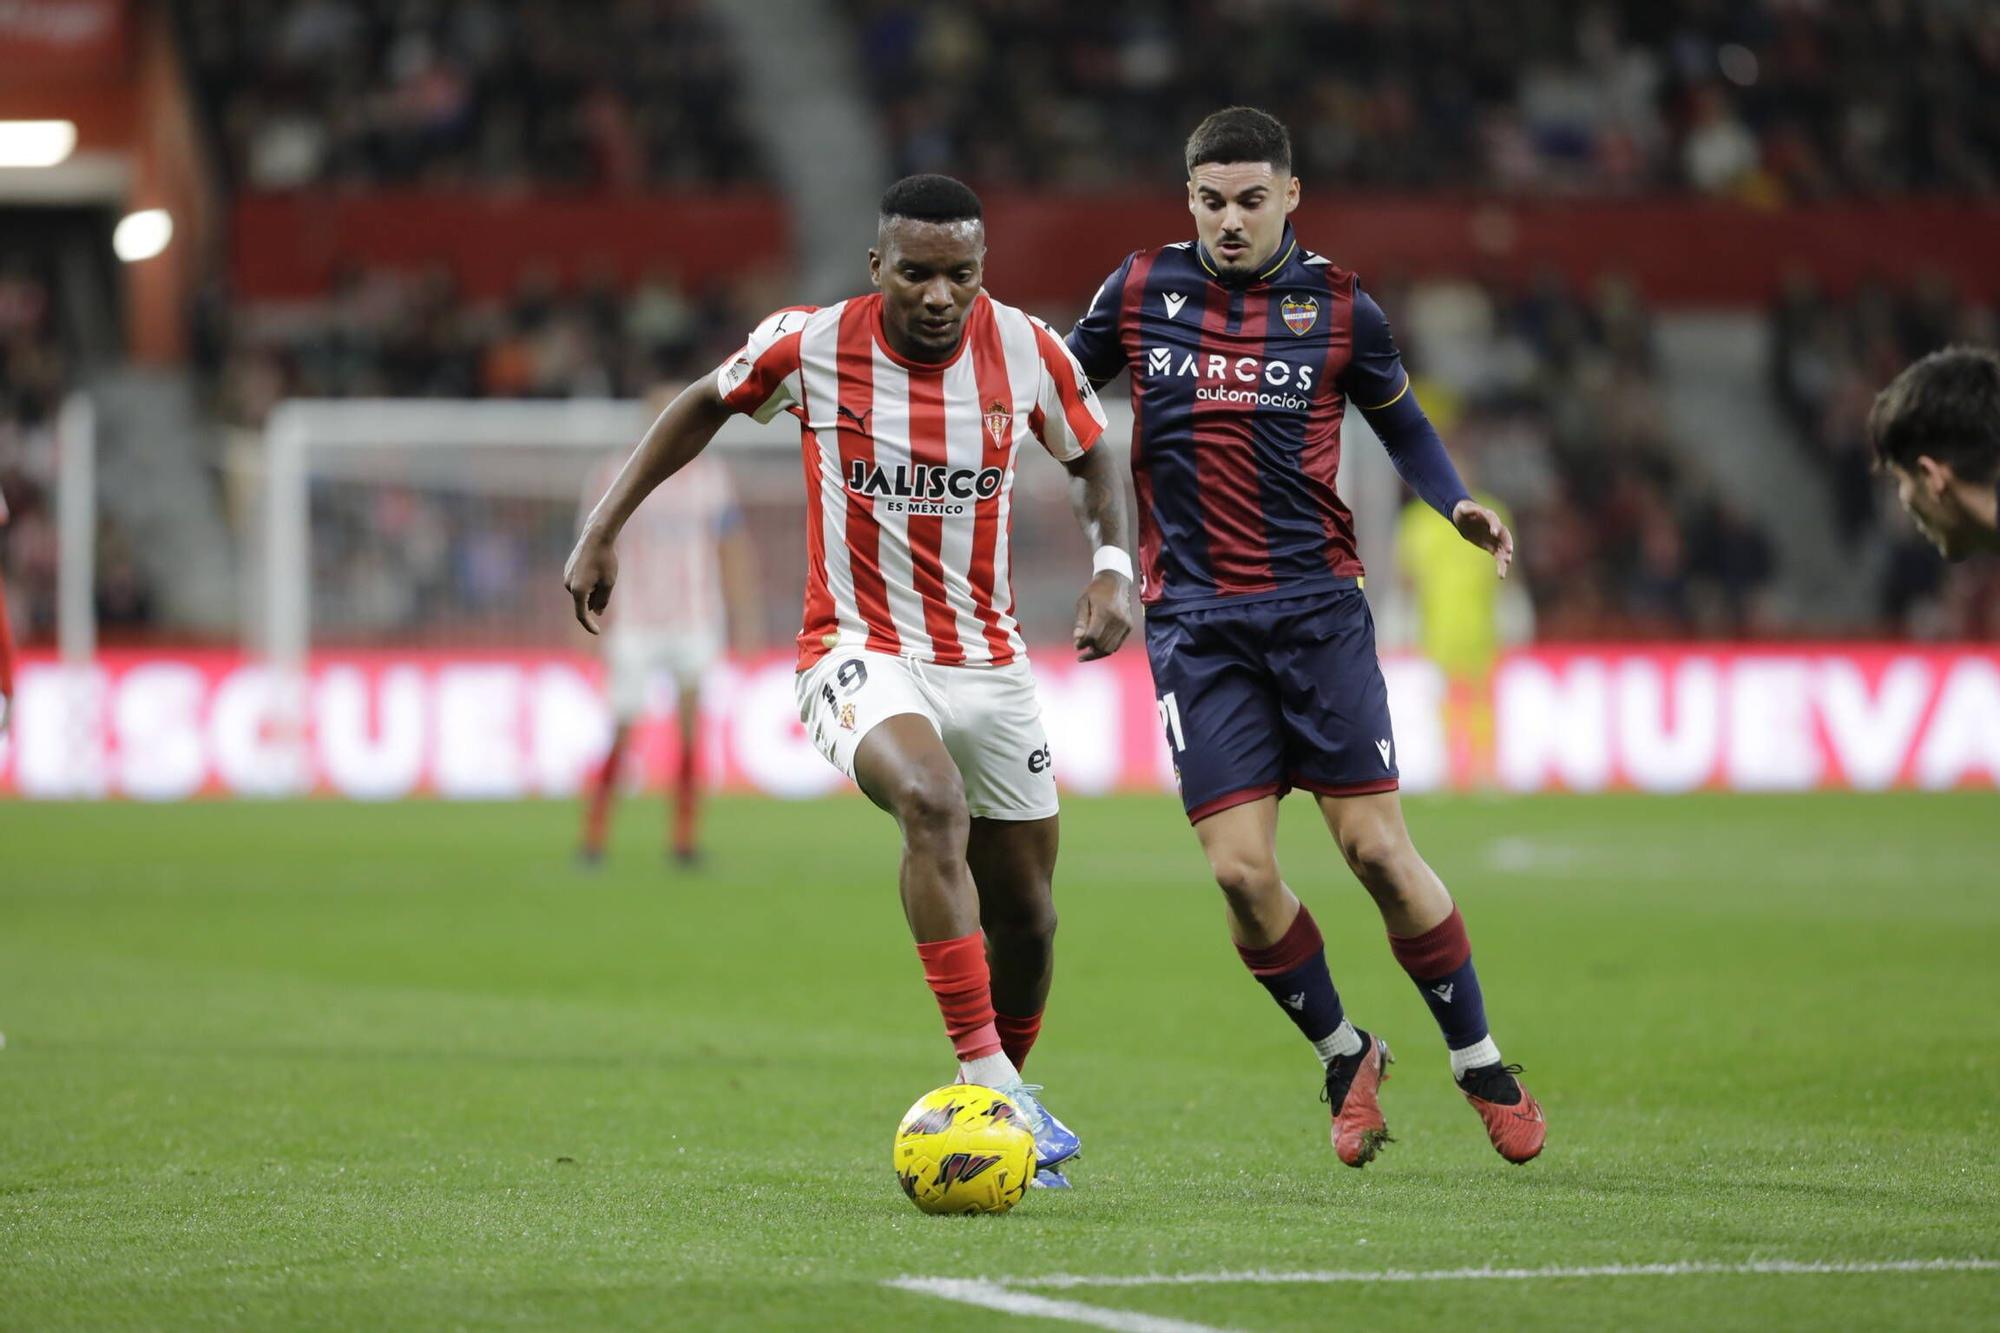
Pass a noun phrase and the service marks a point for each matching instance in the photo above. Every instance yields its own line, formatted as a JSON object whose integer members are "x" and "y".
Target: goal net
{"x": 434, "y": 523}
{"x": 411, "y": 618}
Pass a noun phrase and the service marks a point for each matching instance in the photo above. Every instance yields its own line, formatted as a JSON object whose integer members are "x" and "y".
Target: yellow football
{"x": 964, "y": 1149}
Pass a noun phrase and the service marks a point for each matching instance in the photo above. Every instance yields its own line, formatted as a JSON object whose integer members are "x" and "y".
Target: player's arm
{"x": 1095, "y": 341}
{"x": 670, "y": 443}
{"x": 1100, "y": 497}
{"x": 1376, "y": 382}
{"x": 1069, "y": 421}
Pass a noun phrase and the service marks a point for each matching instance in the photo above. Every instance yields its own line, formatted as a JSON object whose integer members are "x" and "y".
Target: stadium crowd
{"x": 1767, "y": 101}
{"x": 489, "y": 92}
{"x": 390, "y": 333}
{"x": 1550, "y": 397}
{"x": 1552, "y": 402}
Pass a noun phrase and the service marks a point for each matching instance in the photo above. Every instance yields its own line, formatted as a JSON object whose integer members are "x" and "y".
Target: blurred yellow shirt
{"x": 1456, "y": 591}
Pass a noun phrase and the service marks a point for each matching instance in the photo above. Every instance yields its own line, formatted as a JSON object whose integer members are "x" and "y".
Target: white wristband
{"x": 1112, "y": 558}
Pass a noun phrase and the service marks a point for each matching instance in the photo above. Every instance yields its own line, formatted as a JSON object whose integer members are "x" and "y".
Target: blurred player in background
{"x": 6, "y": 642}
{"x": 1245, "y": 350}
{"x": 1459, "y": 626}
{"x": 913, "y": 679}
{"x": 1936, "y": 430}
{"x": 688, "y": 584}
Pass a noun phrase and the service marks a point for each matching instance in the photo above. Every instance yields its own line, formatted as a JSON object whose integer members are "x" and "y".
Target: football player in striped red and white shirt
{"x": 688, "y": 584}
{"x": 913, "y": 403}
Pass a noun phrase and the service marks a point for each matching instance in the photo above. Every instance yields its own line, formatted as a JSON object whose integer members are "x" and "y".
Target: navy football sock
{"x": 1294, "y": 971}
{"x": 1440, "y": 962}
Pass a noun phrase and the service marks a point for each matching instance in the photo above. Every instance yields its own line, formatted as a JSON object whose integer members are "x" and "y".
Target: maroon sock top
{"x": 1439, "y": 951}
{"x": 1300, "y": 942}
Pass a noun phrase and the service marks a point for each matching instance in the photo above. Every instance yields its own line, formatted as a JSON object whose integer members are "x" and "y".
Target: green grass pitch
{"x": 322, "y": 1065}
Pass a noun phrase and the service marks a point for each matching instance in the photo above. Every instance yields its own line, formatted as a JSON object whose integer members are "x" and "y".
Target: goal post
{"x": 440, "y": 444}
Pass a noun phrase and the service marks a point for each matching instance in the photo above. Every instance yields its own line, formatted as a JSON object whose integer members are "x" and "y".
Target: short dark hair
{"x": 931, "y": 198}
{"x": 1241, "y": 134}
{"x": 1944, "y": 406}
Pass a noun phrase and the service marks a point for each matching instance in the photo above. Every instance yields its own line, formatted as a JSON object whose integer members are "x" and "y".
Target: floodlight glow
{"x": 143, "y": 234}
{"x": 36, "y": 143}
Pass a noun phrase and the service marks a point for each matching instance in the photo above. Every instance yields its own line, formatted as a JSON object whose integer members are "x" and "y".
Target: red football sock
{"x": 1017, "y": 1035}
{"x": 603, "y": 783}
{"x": 958, "y": 977}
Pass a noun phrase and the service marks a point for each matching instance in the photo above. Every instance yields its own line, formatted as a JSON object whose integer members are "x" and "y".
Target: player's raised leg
{"x": 1428, "y": 938}
{"x": 1279, "y": 942}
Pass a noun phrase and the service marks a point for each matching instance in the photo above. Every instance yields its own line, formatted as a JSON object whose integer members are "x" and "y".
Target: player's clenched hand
{"x": 592, "y": 569}
{"x": 1103, "y": 616}
{"x": 1483, "y": 528}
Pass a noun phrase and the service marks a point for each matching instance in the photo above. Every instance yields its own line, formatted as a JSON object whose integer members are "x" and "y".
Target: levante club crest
{"x": 998, "y": 419}
{"x": 1299, "y": 315}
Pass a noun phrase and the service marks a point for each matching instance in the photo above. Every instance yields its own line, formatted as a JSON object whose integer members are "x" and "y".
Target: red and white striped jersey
{"x": 909, "y": 469}
{"x": 669, "y": 552}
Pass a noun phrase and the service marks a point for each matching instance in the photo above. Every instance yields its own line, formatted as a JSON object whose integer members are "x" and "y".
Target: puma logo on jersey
{"x": 860, "y": 422}
{"x": 1385, "y": 748}
{"x": 1174, "y": 302}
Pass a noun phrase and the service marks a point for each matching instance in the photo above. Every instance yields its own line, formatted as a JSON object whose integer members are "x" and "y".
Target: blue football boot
{"x": 1054, "y": 1142}
{"x": 1049, "y": 1178}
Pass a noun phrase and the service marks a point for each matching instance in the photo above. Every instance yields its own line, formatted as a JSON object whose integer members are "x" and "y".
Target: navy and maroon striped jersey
{"x": 1238, "y": 389}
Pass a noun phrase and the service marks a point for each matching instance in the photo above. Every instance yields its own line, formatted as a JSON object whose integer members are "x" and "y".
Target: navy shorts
{"x": 1260, "y": 697}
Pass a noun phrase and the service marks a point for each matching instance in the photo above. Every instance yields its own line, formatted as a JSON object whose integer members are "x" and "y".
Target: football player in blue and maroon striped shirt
{"x": 1936, "y": 430}
{"x": 1245, "y": 351}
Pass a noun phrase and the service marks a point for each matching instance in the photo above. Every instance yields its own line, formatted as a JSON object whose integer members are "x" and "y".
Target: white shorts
{"x": 634, "y": 657}
{"x": 988, "y": 717}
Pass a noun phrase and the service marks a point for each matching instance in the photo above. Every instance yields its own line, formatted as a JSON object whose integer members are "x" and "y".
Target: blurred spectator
{"x": 615, "y": 94}
{"x": 1765, "y": 100}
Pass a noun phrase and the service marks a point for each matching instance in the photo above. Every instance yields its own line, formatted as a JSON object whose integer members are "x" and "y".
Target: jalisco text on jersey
{"x": 923, "y": 481}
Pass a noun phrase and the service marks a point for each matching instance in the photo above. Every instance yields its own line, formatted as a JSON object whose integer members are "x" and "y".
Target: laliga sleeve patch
{"x": 734, "y": 373}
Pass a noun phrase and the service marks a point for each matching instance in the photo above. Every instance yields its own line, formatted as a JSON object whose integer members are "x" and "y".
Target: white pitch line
{"x": 993, "y": 1296}
{"x": 1005, "y": 1294}
{"x": 1749, "y": 1268}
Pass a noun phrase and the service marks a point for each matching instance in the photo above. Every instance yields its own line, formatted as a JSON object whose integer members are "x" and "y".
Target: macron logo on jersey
{"x": 1174, "y": 302}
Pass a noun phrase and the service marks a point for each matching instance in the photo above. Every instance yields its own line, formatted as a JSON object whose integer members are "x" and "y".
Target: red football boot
{"x": 1513, "y": 1117}
{"x": 1352, "y": 1082}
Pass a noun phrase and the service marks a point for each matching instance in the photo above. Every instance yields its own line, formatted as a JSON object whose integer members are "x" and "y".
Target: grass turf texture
{"x": 331, "y": 1065}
